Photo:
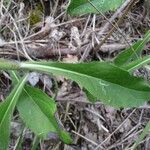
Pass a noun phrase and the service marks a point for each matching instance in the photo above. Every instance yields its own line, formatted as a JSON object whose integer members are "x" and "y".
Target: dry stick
{"x": 113, "y": 28}
{"x": 20, "y": 36}
{"x": 114, "y": 25}
{"x": 132, "y": 136}
{"x": 5, "y": 14}
{"x": 47, "y": 51}
{"x": 102, "y": 143}
{"x": 41, "y": 34}
{"x": 89, "y": 140}
{"x": 55, "y": 7}
{"x": 118, "y": 13}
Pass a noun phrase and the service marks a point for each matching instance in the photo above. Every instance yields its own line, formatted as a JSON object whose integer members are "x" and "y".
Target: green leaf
{"x": 6, "y": 111}
{"x": 105, "y": 81}
{"x": 38, "y": 112}
{"x": 132, "y": 53}
{"x": 137, "y": 63}
{"x": 90, "y": 97}
{"x": 14, "y": 77}
{"x": 80, "y": 7}
{"x": 42, "y": 105}
{"x": 31, "y": 114}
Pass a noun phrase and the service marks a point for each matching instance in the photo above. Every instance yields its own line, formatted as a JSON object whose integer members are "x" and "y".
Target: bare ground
{"x": 57, "y": 36}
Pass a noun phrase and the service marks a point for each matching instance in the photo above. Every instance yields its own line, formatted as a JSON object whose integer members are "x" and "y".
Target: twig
{"x": 47, "y": 51}
{"x": 118, "y": 13}
{"x": 92, "y": 142}
{"x": 115, "y": 130}
{"x": 41, "y": 34}
{"x": 114, "y": 27}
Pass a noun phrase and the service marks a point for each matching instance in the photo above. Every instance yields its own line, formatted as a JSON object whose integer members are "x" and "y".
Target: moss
{"x": 36, "y": 15}
{"x": 6, "y": 3}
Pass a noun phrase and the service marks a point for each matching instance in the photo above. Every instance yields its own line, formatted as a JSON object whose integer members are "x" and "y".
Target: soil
{"x": 55, "y": 35}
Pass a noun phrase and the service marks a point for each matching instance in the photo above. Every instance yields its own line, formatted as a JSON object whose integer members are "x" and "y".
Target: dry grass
{"x": 61, "y": 37}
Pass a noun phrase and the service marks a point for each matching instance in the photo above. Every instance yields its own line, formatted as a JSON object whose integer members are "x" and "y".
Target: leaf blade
{"x": 7, "y": 108}
{"x": 46, "y": 106}
{"x": 36, "y": 104}
{"x": 137, "y": 63}
{"x": 109, "y": 83}
{"x": 133, "y": 52}
{"x": 80, "y": 7}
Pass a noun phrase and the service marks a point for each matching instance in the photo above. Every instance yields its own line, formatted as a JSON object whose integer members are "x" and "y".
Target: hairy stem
{"x": 9, "y": 65}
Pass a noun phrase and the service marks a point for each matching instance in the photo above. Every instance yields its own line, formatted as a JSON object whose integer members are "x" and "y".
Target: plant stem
{"x": 9, "y": 65}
